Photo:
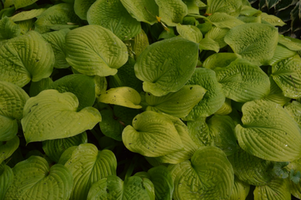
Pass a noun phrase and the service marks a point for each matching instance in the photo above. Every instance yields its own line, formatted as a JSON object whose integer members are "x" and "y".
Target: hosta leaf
{"x": 250, "y": 169}
{"x": 209, "y": 44}
{"x": 59, "y": 14}
{"x": 287, "y": 75}
{"x": 208, "y": 176}
{"x": 142, "y": 10}
{"x": 294, "y": 109}
{"x": 253, "y": 41}
{"x": 122, "y": 96}
{"x": 35, "y": 179}
{"x": 163, "y": 183}
{"x": 152, "y": 134}
{"x": 26, "y": 26}
{"x": 217, "y": 34}
{"x": 276, "y": 189}
{"x": 90, "y": 168}
{"x": 7, "y": 148}
{"x": 139, "y": 43}
{"x": 172, "y": 11}
{"x": 193, "y": 6}
{"x": 27, "y": 57}
{"x": 39, "y": 86}
{"x": 23, "y": 3}
{"x": 114, "y": 17}
{"x": 240, "y": 190}
{"x": 177, "y": 104}
{"x": 6, "y": 179}
{"x": 80, "y": 85}
{"x": 190, "y": 32}
{"x": 231, "y": 7}
{"x": 295, "y": 186}
{"x": 226, "y": 108}
{"x": 271, "y": 19}
{"x": 124, "y": 114}
{"x": 281, "y": 53}
{"x": 57, "y": 41}
{"x": 101, "y": 85}
{"x": 276, "y": 94}
{"x": 199, "y": 132}
{"x": 167, "y": 65}
{"x": 8, "y": 29}
{"x": 12, "y": 101}
{"x": 25, "y": 15}
{"x": 269, "y": 132}
{"x": 53, "y": 115}
{"x": 81, "y": 7}
{"x": 243, "y": 81}
{"x": 54, "y": 148}
{"x": 222, "y": 127}
{"x": 223, "y": 20}
{"x": 94, "y": 50}
{"x": 293, "y": 44}
{"x": 213, "y": 98}
{"x": 249, "y": 11}
{"x": 219, "y": 60}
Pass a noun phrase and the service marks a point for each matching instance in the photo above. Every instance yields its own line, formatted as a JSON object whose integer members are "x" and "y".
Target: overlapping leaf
{"x": 6, "y": 179}
{"x": 231, "y": 7}
{"x": 277, "y": 189}
{"x": 24, "y": 58}
{"x": 7, "y": 148}
{"x": 94, "y": 50}
{"x": 167, "y": 65}
{"x": 53, "y": 115}
{"x": 81, "y": 7}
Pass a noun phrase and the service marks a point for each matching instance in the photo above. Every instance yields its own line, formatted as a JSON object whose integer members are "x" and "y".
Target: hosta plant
{"x": 148, "y": 99}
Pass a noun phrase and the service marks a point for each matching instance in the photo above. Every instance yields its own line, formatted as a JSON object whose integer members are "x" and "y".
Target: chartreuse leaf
{"x": 167, "y": 65}
{"x": 53, "y": 115}
{"x": 209, "y": 44}
{"x": 294, "y": 109}
{"x": 243, "y": 81}
{"x": 172, "y": 12}
{"x": 253, "y": 41}
{"x": 177, "y": 104}
{"x": 8, "y": 29}
{"x": 189, "y": 146}
{"x": 269, "y": 132}
{"x": 219, "y": 60}
{"x": 81, "y": 7}
{"x": 199, "y": 132}
{"x": 142, "y": 10}
{"x": 280, "y": 54}
{"x": 12, "y": 101}
{"x": 271, "y": 19}
{"x": 54, "y": 148}
{"x": 293, "y": 44}
{"x": 139, "y": 43}
{"x": 222, "y": 127}
{"x": 194, "y": 6}
{"x": 277, "y": 189}
{"x": 26, "y": 15}
{"x": 190, "y": 32}
{"x": 37, "y": 87}
{"x": 163, "y": 182}
{"x": 217, "y": 34}
{"x": 35, "y": 179}
{"x": 213, "y": 98}
{"x": 224, "y": 20}
{"x": 7, "y": 148}
{"x": 240, "y": 190}
{"x": 209, "y": 175}
{"x": 59, "y": 14}
{"x": 287, "y": 75}
{"x": 94, "y": 50}
{"x": 6, "y": 179}
{"x": 276, "y": 94}
{"x": 122, "y": 96}
{"x": 226, "y": 108}
{"x": 295, "y": 174}
{"x": 152, "y": 134}
{"x": 80, "y": 85}
{"x": 57, "y": 41}
{"x": 114, "y": 17}
{"x": 231, "y": 7}
{"x": 113, "y": 188}
{"x": 88, "y": 165}
{"x": 23, "y": 3}
{"x": 250, "y": 169}
{"x": 24, "y": 58}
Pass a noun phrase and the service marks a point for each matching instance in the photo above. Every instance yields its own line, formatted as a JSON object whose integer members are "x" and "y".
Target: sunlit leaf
{"x": 231, "y": 7}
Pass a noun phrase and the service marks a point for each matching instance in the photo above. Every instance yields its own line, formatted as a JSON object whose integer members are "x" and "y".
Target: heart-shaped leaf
{"x": 8, "y": 29}
{"x": 53, "y": 115}
{"x": 231, "y": 7}
{"x": 277, "y": 189}
{"x": 253, "y": 41}
{"x": 199, "y": 132}
{"x": 90, "y": 168}
{"x": 243, "y": 81}
{"x": 94, "y": 50}
{"x": 27, "y": 57}
{"x": 219, "y": 60}
{"x": 167, "y": 65}
{"x": 223, "y": 20}
{"x": 209, "y": 44}
{"x": 142, "y": 10}
{"x": 152, "y": 134}
{"x": 6, "y": 179}
{"x": 114, "y": 17}
{"x": 177, "y": 104}
{"x": 7, "y": 148}
{"x": 269, "y": 132}
{"x": 190, "y": 32}
{"x": 35, "y": 179}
